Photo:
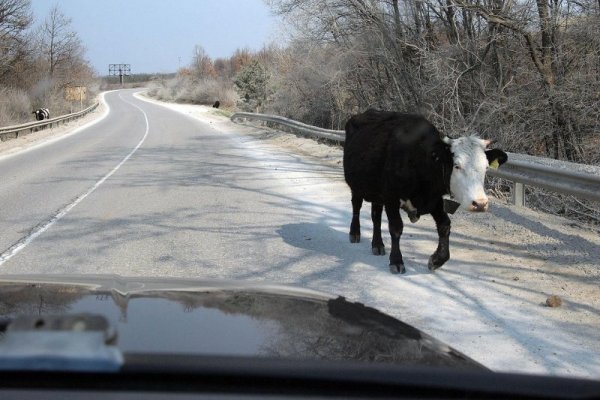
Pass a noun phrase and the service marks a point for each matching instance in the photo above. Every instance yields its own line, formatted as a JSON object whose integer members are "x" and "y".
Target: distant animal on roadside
{"x": 41, "y": 114}
{"x": 217, "y": 104}
{"x": 397, "y": 160}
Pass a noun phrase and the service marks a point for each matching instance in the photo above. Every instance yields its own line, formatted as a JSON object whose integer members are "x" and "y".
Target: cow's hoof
{"x": 355, "y": 238}
{"x": 397, "y": 268}
{"x": 378, "y": 250}
{"x": 413, "y": 217}
{"x": 432, "y": 265}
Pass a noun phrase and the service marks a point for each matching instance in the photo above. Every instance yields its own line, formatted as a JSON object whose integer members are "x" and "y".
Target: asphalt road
{"x": 189, "y": 201}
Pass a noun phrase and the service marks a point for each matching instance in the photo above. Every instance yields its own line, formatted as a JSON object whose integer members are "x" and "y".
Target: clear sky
{"x": 160, "y": 35}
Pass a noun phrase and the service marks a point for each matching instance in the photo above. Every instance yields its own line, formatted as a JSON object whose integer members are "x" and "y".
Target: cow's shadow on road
{"x": 320, "y": 239}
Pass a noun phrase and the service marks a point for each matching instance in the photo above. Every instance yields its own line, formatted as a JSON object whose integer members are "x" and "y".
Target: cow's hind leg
{"x": 357, "y": 202}
{"x": 442, "y": 253}
{"x": 377, "y": 245}
{"x": 396, "y": 226}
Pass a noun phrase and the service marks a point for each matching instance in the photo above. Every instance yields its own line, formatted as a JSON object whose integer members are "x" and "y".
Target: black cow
{"x": 216, "y": 104}
{"x": 396, "y": 160}
{"x": 41, "y": 114}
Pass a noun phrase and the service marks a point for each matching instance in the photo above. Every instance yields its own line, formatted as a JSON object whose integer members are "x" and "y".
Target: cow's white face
{"x": 468, "y": 172}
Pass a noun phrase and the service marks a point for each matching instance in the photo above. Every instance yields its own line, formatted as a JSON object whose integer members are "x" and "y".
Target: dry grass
{"x": 185, "y": 90}
{"x": 15, "y": 106}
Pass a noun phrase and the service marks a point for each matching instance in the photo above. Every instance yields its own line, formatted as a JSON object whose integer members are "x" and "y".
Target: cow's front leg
{"x": 396, "y": 226}
{"x": 442, "y": 253}
{"x": 355, "y": 224}
{"x": 377, "y": 245}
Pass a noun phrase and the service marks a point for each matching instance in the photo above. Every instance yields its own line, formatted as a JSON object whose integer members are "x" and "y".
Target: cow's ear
{"x": 496, "y": 157}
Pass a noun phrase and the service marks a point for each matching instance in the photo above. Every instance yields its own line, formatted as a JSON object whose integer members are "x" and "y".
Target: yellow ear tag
{"x": 494, "y": 164}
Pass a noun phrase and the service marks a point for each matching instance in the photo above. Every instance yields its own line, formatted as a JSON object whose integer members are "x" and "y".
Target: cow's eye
{"x": 456, "y": 166}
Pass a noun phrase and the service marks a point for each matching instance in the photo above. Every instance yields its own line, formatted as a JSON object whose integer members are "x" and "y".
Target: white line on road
{"x": 42, "y": 227}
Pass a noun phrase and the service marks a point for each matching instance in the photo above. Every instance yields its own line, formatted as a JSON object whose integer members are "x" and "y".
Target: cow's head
{"x": 471, "y": 160}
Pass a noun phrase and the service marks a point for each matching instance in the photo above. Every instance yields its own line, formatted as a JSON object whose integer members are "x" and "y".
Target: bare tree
{"x": 202, "y": 64}
{"x": 60, "y": 44}
{"x": 522, "y": 72}
{"x": 15, "y": 18}
{"x": 547, "y": 55}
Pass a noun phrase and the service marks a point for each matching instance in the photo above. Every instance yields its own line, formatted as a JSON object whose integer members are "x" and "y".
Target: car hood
{"x": 228, "y": 318}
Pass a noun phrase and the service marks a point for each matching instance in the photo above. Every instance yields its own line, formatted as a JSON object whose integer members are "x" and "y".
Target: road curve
{"x": 149, "y": 192}
{"x": 39, "y": 181}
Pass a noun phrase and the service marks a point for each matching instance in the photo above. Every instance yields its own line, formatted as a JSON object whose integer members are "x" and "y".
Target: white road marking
{"x": 44, "y": 226}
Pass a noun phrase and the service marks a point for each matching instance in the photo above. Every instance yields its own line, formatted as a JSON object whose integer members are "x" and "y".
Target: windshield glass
{"x": 230, "y": 141}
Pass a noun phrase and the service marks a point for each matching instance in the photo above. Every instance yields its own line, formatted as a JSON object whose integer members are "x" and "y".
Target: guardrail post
{"x": 519, "y": 194}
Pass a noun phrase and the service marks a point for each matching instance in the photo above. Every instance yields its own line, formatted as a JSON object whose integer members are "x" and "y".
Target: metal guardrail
{"x": 13, "y": 132}
{"x": 582, "y": 181}
{"x": 557, "y": 176}
{"x": 294, "y": 126}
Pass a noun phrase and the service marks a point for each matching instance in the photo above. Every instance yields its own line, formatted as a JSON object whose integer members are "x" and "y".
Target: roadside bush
{"x": 194, "y": 91}
{"x": 15, "y": 107}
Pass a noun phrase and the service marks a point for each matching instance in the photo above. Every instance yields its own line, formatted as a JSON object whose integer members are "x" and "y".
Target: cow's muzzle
{"x": 479, "y": 205}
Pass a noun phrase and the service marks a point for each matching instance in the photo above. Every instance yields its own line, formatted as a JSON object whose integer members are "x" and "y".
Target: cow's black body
{"x": 389, "y": 157}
